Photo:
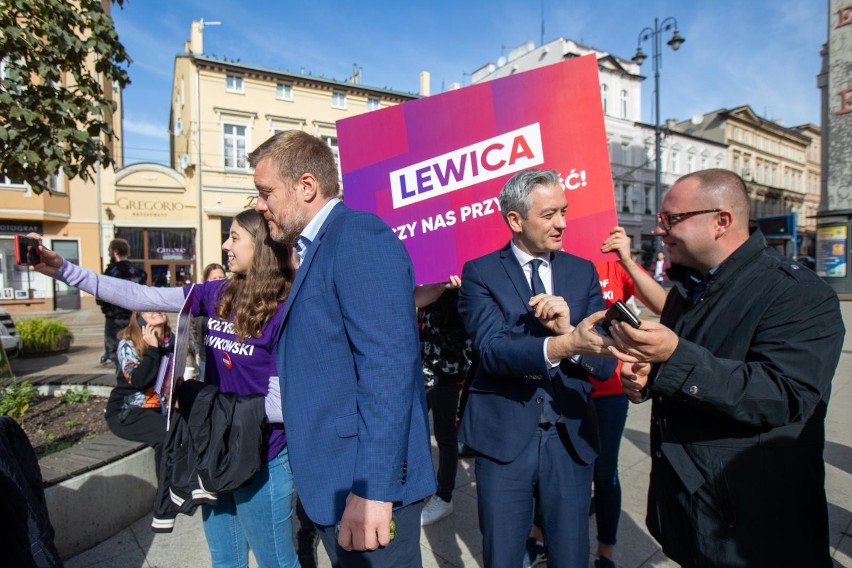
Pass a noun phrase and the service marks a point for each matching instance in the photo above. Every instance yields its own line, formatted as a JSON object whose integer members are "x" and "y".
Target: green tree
{"x": 60, "y": 59}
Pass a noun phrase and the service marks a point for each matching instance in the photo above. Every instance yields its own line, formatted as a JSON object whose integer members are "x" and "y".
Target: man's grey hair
{"x": 515, "y": 195}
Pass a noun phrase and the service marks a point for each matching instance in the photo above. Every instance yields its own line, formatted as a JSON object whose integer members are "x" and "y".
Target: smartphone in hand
{"x": 620, "y": 312}
{"x": 26, "y": 250}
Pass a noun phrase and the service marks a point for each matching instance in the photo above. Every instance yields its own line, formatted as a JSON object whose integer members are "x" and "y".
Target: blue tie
{"x": 536, "y": 285}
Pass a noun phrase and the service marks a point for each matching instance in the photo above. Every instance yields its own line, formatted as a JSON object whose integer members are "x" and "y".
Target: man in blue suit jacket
{"x": 348, "y": 360}
{"x": 529, "y": 414}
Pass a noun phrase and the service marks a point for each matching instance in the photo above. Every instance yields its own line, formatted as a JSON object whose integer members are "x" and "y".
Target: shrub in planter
{"x": 15, "y": 399}
{"x": 41, "y": 335}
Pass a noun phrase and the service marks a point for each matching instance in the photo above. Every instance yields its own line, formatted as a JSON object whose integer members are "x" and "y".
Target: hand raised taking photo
{"x": 49, "y": 261}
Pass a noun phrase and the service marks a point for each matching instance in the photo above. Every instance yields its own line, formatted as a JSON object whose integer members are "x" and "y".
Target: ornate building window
{"x": 234, "y": 142}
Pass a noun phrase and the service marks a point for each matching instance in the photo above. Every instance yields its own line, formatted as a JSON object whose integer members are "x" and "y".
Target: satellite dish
{"x": 697, "y": 119}
{"x": 501, "y": 61}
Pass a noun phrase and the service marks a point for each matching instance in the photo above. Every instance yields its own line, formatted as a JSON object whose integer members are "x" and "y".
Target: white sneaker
{"x": 435, "y": 510}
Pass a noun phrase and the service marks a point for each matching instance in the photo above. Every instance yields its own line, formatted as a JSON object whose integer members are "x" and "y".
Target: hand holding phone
{"x": 26, "y": 250}
{"x": 620, "y": 312}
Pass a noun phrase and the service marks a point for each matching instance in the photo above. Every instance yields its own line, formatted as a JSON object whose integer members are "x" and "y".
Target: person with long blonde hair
{"x": 244, "y": 320}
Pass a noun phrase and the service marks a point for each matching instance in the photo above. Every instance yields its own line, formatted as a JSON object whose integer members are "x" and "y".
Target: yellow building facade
{"x": 223, "y": 109}
{"x": 174, "y": 217}
{"x": 780, "y": 165}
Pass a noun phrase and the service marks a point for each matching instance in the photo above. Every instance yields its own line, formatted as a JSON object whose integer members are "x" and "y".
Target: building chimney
{"x": 196, "y": 38}
{"x": 424, "y": 83}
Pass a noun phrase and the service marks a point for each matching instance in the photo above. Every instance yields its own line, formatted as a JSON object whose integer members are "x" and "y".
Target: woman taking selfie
{"x": 245, "y": 314}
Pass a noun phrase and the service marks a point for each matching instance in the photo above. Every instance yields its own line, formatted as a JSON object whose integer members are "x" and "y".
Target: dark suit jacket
{"x": 349, "y": 365}
{"x": 506, "y": 396}
{"x": 737, "y": 432}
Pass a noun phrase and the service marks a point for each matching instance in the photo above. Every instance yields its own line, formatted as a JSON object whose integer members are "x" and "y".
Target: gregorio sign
{"x": 169, "y": 253}
{"x": 148, "y": 207}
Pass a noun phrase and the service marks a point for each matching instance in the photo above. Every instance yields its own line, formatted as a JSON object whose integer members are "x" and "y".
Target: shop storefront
{"x": 16, "y": 282}
{"x": 22, "y": 289}
{"x": 167, "y": 255}
{"x": 151, "y": 210}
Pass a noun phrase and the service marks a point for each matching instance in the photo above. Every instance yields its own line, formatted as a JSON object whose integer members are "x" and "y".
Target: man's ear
{"x": 514, "y": 219}
{"x": 308, "y": 187}
{"x": 724, "y": 223}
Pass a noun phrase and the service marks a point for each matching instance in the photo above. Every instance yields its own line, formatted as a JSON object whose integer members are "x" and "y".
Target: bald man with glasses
{"x": 668, "y": 220}
{"x": 740, "y": 374}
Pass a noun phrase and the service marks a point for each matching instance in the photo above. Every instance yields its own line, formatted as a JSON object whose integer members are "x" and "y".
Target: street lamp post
{"x": 655, "y": 35}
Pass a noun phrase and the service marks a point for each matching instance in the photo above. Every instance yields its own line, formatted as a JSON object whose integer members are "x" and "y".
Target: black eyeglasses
{"x": 668, "y": 220}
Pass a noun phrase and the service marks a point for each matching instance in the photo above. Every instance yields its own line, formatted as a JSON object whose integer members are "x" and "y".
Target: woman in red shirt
{"x": 620, "y": 279}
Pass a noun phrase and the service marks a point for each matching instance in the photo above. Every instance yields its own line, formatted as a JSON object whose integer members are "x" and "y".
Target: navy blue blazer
{"x": 507, "y": 392}
{"x": 349, "y": 366}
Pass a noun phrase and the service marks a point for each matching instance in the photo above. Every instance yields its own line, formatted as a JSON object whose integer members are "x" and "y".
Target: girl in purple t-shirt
{"x": 244, "y": 320}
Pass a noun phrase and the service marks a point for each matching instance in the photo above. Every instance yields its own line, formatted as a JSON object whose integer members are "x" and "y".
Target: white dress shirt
{"x": 546, "y": 274}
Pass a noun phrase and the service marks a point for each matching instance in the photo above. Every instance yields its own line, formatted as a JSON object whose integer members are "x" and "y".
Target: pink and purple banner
{"x": 433, "y": 168}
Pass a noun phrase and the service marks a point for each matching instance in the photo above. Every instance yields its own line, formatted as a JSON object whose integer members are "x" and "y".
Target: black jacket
{"x": 738, "y": 415}
{"x": 26, "y": 535}
{"x": 125, "y": 270}
{"x": 215, "y": 443}
{"x": 143, "y": 378}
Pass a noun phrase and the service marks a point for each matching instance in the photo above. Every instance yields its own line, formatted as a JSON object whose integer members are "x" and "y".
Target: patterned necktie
{"x": 536, "y": 285}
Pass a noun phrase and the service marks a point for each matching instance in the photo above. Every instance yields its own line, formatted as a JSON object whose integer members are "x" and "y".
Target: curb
{"x": 59, "y": 390}
{"x": 89, "y": 508}
{"x": 99, "y": 487}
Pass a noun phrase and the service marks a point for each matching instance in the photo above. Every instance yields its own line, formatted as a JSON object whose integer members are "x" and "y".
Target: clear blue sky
{"x": 764, "y": 53}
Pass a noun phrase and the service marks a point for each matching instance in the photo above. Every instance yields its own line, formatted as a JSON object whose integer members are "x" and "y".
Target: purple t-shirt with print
{"x": 242, "y": 368}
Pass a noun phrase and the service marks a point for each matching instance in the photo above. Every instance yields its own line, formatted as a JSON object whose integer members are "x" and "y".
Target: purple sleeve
{"x": 206, "y": 297}
{"x": 123, "y": 293}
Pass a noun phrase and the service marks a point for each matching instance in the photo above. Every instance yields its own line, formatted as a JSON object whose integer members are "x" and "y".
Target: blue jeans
{"x": 257, "y": 516}
{"x": 612, "y": 414}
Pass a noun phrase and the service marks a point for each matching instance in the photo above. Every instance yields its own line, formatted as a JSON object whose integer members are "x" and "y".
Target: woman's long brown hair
{"x": 252, "y": 298}
{"x": 133, "y": 332}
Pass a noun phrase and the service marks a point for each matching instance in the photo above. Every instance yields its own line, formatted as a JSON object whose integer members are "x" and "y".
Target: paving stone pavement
{"x": 455, "y": 541}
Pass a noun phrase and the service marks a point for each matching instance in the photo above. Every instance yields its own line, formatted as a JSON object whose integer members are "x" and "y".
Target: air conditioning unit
{"x": 184, "y": 161}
